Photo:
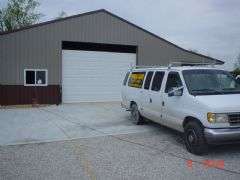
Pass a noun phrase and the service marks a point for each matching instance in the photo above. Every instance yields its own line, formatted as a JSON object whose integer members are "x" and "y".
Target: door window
{"x": 148, "y": 80}
{"x": 157, "y": 81}
{"x": 173, "y": 81}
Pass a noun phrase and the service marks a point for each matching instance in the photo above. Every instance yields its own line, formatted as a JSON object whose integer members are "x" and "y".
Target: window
{"x": 173, "y": 81}
{"x": 136, "y": 79}
{"x": 125, "y": 79}
{"x": 157, "y": 81}
{"x": 35, "y": 77}
{"x": 30, "y": 77}
{"x": 148, "y": 80}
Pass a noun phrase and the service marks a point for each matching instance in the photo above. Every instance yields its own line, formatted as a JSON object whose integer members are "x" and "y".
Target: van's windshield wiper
{"x": 232, "y": 90}
{"x": 204, "y": 90}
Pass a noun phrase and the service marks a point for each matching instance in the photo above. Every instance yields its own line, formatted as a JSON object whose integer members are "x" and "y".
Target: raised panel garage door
{"x": 93, "y": 76}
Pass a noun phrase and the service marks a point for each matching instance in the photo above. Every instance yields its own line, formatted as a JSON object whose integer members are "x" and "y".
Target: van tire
{"x": 135, "y": 115}
{"x": 194, "y": 138}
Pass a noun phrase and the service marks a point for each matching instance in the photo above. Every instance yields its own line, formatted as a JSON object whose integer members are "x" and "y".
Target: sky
{"x": 212, "y": 27}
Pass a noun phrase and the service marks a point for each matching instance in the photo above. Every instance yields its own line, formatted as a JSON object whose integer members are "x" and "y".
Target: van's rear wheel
{"x": 135, "y": 115}
{"x": 194, "y": 138}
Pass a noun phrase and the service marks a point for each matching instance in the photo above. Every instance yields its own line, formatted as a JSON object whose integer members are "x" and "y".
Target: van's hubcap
{"x": 135, "y": 113}
{"x": 191, "y": 137}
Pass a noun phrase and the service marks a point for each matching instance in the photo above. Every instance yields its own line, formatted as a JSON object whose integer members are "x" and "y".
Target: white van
{"x": 202, "y": 102}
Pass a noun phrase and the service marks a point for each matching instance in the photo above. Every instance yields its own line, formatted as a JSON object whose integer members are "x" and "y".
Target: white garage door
{"x": 93, "y": 76}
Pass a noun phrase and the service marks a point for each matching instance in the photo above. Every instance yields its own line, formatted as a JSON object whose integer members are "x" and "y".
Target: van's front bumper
{"x": 222, "y": 136}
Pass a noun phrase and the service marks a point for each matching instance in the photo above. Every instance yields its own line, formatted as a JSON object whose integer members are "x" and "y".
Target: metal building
{"x": 81, "y": 58}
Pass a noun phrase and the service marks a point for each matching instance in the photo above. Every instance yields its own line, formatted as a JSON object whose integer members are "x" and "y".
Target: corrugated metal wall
{"x": 40, "y": 47}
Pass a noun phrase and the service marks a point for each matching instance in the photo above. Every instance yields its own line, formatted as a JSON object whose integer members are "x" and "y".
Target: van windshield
{"x": 210, "y": 82}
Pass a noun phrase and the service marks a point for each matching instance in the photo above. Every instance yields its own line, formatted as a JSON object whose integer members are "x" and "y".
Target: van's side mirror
{"x": 176, "y": 92}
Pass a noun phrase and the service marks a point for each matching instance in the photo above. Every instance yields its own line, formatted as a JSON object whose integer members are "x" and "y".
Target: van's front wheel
{"x": 194, "y": 138}
{"x": 135, "y": 115}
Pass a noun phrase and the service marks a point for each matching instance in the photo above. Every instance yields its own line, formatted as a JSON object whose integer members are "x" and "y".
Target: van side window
{"x": 148, "y": 80}
{"x": 125, "y": 79}
{"x": 157, "y": 81}
{"x": 136, "y": 79}
{"x": 173, "y": 81}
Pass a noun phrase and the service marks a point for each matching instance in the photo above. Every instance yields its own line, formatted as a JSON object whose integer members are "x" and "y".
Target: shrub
{"x": 236, "y": 72}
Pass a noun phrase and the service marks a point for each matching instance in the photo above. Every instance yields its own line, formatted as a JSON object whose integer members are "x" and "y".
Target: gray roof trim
{"x": 120, "y": 18}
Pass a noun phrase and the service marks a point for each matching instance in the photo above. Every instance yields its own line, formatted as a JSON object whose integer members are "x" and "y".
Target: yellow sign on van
{"x": 136, "y": 79}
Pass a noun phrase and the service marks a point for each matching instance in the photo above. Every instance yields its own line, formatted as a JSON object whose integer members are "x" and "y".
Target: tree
{"x": 19, "y": 13}
{"x": 193, "y": 50}
{"x": 236, "y": 71}
{"x": 237, "y": 64}
{"x": 61, "y": 14}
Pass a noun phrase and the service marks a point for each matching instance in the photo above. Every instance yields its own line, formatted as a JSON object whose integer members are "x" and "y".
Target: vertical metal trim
{"x": 137, "y": 63}
{"x": 60, "y": 71}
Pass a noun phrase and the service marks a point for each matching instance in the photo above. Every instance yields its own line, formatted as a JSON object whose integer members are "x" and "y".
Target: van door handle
{"x": 150, "y": 100}
{"x": 163, "y": 103}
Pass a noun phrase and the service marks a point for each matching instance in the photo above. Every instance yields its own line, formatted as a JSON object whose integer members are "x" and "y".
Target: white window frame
{"x": 35, "y": 72}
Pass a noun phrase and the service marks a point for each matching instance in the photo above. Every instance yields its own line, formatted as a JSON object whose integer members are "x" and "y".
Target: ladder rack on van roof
{"x": 175, "y": 64}
{"x": 155, "y": 66}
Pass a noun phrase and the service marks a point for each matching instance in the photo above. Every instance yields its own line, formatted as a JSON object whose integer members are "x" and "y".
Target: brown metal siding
{"x": 1, "y": 95}
{"x": 17, "y": 94}
{"x": 40, "y": 47}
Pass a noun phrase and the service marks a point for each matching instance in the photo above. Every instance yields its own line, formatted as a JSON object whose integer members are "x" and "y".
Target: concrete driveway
{"x": 65, "y": 122}
{"x": 98, "y": 141}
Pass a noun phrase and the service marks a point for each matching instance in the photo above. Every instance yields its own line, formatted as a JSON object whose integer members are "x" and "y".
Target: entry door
{"x": 155, "y": 97}
{"x": 93, "y": 76}
{"x": 172, "y": 105}
{"x": 144, "y": 96}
